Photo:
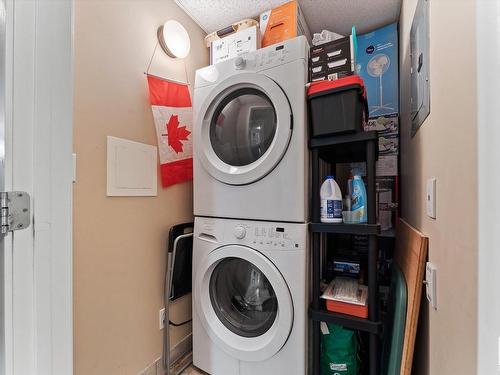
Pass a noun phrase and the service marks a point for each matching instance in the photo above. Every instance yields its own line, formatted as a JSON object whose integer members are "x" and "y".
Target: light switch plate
{"x": 431, "y": 198}
{"x": 431, "y": 284}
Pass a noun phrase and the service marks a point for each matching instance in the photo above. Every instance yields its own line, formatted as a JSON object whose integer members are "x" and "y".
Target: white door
{"x": 245, "y": 128}
{"x": 36, "y": 157}
{"x": 244, "y": 303}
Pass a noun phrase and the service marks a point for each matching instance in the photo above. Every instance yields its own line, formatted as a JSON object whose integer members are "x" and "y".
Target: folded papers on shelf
{"x": 346, "y": 290}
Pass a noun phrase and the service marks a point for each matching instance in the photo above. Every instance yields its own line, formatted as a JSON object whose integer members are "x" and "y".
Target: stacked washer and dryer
{"x": 250, "y": 204}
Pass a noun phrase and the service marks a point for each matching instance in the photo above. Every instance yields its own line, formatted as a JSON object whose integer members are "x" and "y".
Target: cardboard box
{"x": 384, "y": 125}
{"x": 387, "y": 201}
{"x": 332, "y": 60}
{"x": 377, "y": 64}
{"x": 282, "y": 23}
{"x": 236, "y": 44}
{"x": 329, "y": 71}
{"x": 388, "y": 133}
{"x": 386, "y": 166}
{"x": 388, "y": 145}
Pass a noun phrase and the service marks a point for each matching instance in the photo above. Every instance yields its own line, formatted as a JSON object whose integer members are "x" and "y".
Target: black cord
{"x": 179, "y": 324}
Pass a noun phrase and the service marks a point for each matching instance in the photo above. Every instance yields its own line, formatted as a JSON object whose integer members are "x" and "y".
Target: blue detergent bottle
{"x": 359, "y": 200}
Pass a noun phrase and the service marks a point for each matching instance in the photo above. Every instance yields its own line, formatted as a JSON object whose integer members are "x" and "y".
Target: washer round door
{"x": 243, "y": 302}
{"x": 244, "y": 128}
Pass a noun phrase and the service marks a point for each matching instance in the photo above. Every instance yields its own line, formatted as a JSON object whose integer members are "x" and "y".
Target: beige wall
{"x": 445, "y": 148}
{"x": 119, "y": 243}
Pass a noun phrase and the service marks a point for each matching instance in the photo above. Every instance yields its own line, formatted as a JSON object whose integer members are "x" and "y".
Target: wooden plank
{"x": 410, "y": 256}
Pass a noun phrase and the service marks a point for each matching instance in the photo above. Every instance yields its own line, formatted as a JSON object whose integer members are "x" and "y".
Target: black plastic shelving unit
{"x": 357, "y": 147}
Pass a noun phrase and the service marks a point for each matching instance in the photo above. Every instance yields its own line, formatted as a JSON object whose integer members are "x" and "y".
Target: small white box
{"x": 234, "y": 45}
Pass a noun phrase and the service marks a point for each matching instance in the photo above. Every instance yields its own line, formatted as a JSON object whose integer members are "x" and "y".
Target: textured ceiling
{"x": 334, "y": 15}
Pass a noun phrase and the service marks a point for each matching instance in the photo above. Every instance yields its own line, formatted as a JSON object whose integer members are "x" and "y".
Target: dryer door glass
{"x": 242, "y": 297}
{"x": 243, "y": 127}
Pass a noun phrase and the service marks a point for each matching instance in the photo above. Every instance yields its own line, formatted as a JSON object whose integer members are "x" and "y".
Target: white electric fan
{"x": 376, "y": 67}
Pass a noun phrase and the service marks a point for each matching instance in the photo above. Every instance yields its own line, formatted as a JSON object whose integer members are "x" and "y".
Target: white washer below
{"x": 249, "y": 297}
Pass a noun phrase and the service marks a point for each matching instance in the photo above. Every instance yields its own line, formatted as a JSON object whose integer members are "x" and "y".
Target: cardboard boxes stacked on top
{"x": 282, "y": 23}
{"x": 276, "y": 25}
{"x": 235, "y": 44}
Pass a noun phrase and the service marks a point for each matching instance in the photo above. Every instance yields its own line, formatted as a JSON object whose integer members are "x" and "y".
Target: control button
{"x": 240, "y": 232}
{"x": 239, "y": 63}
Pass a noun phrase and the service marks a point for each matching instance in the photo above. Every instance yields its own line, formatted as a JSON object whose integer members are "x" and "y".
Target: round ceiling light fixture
{"x": 174, "y": 39}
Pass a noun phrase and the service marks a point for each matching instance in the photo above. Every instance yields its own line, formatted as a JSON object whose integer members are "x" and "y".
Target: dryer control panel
{"x": 262, "y": 59}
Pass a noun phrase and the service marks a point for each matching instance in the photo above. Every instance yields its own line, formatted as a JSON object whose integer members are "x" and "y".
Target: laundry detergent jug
{"x": 359, "y": 202}
{"x": 331, "y": 201}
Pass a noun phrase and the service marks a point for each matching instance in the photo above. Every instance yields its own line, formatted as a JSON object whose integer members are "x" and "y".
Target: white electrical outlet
{"x": 162, "y": 317}
{"x": 431, "y": 198}
{"x": 431, "y": 284}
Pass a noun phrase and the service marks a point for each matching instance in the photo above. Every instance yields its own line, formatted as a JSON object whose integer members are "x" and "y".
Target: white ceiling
{"x": 334, "y": 15}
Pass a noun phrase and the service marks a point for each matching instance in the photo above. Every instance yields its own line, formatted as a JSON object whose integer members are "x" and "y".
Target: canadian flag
{"x": 173, "y": 117}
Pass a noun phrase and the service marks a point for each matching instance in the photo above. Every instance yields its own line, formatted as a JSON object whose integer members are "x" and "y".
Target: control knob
{"x": 239, "y": 63}
{"x": 240, "y": 232}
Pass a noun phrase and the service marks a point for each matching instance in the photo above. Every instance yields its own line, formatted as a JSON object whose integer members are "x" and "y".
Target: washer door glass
{"x": 242, "y": 297}
{"x": 243, "y": 127}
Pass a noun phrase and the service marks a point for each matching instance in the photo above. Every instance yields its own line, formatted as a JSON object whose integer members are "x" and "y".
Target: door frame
{"x": 37, "y": 262}
{"x": 488, "y": 175}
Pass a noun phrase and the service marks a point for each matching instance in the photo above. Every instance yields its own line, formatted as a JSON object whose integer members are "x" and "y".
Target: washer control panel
{"x": 268, "y": 236}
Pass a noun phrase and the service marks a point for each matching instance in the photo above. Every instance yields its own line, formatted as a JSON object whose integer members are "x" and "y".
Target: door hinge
{"x": 15, "y": 211}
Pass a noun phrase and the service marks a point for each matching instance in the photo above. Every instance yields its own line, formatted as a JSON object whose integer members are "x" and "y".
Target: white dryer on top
{"x": 250, "y": 135}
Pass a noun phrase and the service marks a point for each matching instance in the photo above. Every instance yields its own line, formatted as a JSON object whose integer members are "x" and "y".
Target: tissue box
{"x": 377, "y": 64}
{"x": 282, "y": 23}
{"x": 234, "y": 45}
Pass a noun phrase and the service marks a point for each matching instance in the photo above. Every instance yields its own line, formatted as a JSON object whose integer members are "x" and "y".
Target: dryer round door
{"x": 245, "y": 129}
{"x": 243, "y": 302}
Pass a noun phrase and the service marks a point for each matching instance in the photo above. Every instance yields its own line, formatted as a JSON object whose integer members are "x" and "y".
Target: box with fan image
{"x": 377, "y": 64}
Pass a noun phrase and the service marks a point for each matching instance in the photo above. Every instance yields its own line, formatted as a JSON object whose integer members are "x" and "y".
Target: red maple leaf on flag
{"x": 176, "y": 134}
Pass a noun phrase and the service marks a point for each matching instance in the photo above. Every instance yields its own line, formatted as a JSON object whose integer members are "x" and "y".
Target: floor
{"x": 191, "y": 370}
